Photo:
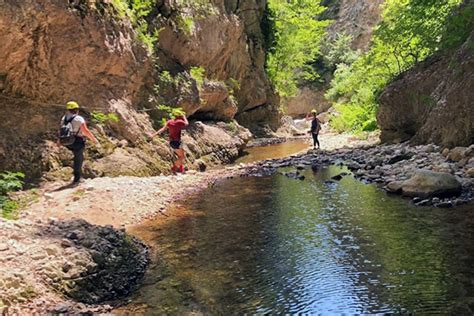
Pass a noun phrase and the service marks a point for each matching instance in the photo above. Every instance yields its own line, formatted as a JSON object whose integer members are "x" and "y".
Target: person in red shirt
{"x": 175, "y": 126}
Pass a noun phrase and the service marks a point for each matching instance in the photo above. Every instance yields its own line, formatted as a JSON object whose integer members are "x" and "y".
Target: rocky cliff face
{"x": 55, "y": 51}
{"x": 432, "y": 102}
{"x": 352, "y": 17}
{"x": 355, "y": 18}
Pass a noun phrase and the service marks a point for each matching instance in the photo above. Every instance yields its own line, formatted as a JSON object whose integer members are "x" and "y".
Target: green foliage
{"x": 9, "y": 182}
{"x": 298, "y": 34}
{"x": 410, "y": 31}
{"x": 165, "y": 77}
{"x": 459, "y": 26}
{"x": 166, "y": 112}
{"x": 232, "y": 127}
{"x": 232, "y": 85}
{"x": 121, "y": 7}
{"x": 198, "y": 74}
{"x": 138, "y": 11}
{"x": 186, "y": 24}
{"x": 338, "y": 51}
{"x": 201, "y": 8}
{"x": 103, "y": 118}
{"x": 353, "y": 118}
{"x": 268, "y": 30}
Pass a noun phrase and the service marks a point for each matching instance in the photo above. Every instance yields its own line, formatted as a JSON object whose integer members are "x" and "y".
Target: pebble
{"x": 4, "y": 247}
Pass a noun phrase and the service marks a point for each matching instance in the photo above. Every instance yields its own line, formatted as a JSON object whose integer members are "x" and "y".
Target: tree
{"x": 298, "y": 34}
{"x": 410, "y": 31}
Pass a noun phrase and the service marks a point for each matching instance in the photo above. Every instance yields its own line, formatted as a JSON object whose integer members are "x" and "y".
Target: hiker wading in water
{"x": 175, "y": 126}
{"x": 73, "y": 134}
{"x": 315, "y": 127}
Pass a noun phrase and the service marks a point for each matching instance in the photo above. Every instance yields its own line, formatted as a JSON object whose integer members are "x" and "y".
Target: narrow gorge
{"x": 328, "y": 157}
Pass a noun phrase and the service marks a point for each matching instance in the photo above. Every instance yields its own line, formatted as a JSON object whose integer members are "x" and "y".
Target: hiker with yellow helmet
{"x": 315, "y": 127}
{"x": 73, "y": 134}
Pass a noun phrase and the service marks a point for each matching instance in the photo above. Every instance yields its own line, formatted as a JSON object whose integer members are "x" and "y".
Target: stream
{"x": 276, "y": 245}
{"x": 275, "y": 151}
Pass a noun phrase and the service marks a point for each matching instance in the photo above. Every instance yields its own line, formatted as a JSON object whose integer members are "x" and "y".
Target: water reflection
{"x": 276, "y": 151}
{"x": 278, "y": 245}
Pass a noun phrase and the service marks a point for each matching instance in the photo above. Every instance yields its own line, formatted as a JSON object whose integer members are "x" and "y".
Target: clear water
{"x": 284, "y": 246}
{"x": 275, "y": 151}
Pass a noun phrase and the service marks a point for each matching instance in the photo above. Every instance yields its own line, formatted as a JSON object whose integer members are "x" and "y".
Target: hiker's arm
{"x": 87, "y": 133}
{"x": 186, "y": 123}
{"x": 308, "y": 117}
{"x": 161, "y": 130}
{"x": 319, "y": 124}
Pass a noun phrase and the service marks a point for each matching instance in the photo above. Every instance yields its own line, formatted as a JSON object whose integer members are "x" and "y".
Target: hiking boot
{"x": 181, "y": 169}
{"x": 173, "y": 169}
{"x": 75, "y": 183}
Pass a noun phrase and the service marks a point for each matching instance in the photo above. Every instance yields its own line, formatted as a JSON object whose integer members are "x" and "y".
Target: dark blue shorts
{"x": 175, "y": 144}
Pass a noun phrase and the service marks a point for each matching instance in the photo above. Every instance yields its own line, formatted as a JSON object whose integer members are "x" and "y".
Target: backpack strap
{"x": 69, "y": 120}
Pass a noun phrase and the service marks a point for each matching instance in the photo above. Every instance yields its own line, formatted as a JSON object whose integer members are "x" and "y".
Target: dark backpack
{"x": 66, "y": 135}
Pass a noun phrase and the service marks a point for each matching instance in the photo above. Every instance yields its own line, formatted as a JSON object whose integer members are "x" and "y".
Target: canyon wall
{"x": 54, "y": 51}
{"x": 433, "y": 101}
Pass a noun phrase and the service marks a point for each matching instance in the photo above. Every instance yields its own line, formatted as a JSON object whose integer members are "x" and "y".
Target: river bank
{"x": 124, "y": 202}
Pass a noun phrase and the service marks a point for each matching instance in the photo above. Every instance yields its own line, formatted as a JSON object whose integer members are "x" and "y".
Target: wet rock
{"x": 427, "y": 183}
{"x": 445, "y": 152}
{"x": 353, "y": 165}
{"x": 457, "y": 154}
{"x": 66, "y": 243}
{"x": 104, "y": 264}
{"x": 293, "y": 175}
{"x": 400, "y": 157}
{"x": 424, "y": 202}
{"x": 470, "y": 172}
{"x": 444, "y": 204}
{"x": 339, "y": 176}
{"x": 394, "y": 187}
{"x": 61, "y": 308}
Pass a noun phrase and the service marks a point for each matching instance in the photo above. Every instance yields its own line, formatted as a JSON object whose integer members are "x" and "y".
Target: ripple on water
{"x": 277, "y": 245}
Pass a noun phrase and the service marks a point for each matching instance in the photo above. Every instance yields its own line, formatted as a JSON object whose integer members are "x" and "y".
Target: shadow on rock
{"x": 92, "y": 264}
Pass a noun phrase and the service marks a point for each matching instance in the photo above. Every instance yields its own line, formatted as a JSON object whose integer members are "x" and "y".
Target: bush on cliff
{"x": 410, "y": 31}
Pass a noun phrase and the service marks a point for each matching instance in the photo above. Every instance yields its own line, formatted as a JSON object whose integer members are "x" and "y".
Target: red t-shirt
{"x": 175, "y": 126}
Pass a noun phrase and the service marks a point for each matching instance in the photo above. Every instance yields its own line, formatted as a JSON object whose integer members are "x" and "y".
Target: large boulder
{"x": 426, "y": 183}
{"x": 227, "y": 41}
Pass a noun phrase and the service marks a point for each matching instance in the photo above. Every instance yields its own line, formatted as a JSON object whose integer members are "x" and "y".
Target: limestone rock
{"x": 470, "y": 172}
{"x": 457, "y": 153}
{"x": 394, "y": 186}
{"x": 427, "y": 183}
{"x": 432, "y": 102}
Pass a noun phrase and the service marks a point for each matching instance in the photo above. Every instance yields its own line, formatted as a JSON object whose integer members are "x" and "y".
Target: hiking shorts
{"x": 175, "y": 144}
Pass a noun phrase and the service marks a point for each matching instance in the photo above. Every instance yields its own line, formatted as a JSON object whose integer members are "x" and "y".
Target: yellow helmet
{"x": 314, "y": 111}
{"x": 71, "y": 105}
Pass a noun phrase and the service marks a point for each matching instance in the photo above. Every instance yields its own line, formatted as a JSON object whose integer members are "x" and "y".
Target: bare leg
{"x": 180, "y": 153}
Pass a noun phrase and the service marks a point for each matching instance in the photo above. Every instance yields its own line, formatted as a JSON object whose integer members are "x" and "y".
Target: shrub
{"x": 198, "y": 74}
{"x": 103, "y": 118}
{"x": 9, "y": 182}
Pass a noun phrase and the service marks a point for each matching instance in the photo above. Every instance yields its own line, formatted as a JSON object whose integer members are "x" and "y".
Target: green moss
{"x": 198, "y": 74}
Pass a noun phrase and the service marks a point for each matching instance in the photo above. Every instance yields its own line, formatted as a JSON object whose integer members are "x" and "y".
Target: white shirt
{"x": 76, "y": 123}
